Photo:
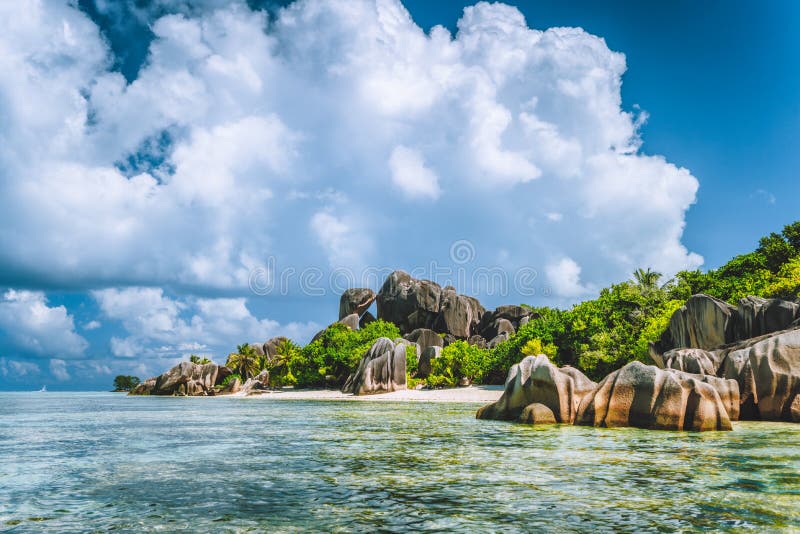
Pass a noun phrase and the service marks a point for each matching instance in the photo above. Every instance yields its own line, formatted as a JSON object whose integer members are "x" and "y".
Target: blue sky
{"x": 159, "y": 161}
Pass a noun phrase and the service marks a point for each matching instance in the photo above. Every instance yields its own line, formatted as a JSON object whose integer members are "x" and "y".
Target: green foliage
{"x": 194, "y": 358}
{"x": 786, "y": 283}
{"x": 230, "y": 378}
{"x": 761, "y": 272}
{"x": 459, "y": 360}
{"x": 244, "y": 361}
{"x": 125, "y": 382}
{"x": 601, "y": 335}
{"x": 280, "y": 364}
{"x": 411, "y": 360}
{"x": 337, "y": 352}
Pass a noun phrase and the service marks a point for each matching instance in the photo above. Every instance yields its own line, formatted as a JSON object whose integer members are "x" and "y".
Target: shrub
{"x": 337, "y": 352}
{"x": 459, "y": 360}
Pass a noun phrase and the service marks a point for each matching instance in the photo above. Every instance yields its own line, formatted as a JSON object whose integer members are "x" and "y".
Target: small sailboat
{"x": 43, "y": 390}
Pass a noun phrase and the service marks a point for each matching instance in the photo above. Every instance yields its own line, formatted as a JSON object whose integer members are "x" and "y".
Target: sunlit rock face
{"x": 536, "y": 380}
{"x": 644, "y": 396}
{"x": 381, "y": 370}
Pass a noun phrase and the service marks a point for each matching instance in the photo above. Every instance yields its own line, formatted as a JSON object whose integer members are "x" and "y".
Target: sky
{"x": 180, "y": 177}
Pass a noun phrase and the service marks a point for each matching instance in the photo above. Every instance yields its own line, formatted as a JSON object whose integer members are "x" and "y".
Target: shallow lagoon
{"x": 100, "y": 461}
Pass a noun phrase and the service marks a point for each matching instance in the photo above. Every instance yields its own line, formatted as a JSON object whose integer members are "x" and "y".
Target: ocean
{"x": 92, "y": 462}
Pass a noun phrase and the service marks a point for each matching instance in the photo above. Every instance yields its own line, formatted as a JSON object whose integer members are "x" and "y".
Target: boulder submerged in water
{"x": 186, "y": 378}
{"x": 536, "y": 380}
{"x": 381, "y": 370}
{"x": 645, "y": 396}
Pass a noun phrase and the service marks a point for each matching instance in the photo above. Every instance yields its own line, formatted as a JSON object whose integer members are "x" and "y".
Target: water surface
{"x": 101, "y": 461}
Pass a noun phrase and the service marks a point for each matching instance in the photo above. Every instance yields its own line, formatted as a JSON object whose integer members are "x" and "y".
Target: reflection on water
{"x": 78, "y": 462}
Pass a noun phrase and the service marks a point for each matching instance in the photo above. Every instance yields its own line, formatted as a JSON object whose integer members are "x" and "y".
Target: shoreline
{"x": 471, "y": 394}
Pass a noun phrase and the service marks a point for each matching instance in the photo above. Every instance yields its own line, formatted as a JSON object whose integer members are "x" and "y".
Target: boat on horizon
{"x": 43, "y": 390}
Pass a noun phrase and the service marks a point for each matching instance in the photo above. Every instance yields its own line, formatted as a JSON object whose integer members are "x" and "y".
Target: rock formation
{"x": 645, "y": 396}
{"x": 411, "y": 304}
{"x": 259, "y": 382}
{"x": 356, "y": 300}
{"x": 536, "y": 380}
{"x": 186, "y": 378}
{"x": 425, "y": 360}
{"x": 381, "y": 370}
{"x": 756, "y": 344}
{"x": 537, "y": 414}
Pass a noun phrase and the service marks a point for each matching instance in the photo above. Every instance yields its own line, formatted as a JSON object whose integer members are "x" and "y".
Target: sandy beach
{"x": 476, "y": 394}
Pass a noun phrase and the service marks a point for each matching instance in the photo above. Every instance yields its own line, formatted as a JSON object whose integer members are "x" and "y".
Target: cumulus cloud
{"x": 160, "y": 326}
{"x": 181, "y": 177}
{"x": 565, "y": 277}
{"x": 58, "y": 368}
{"x": 411, "y": 176}
{"x": 35, "y": 329}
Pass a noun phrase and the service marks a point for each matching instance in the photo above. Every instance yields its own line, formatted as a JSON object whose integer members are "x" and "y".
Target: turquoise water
{"x": 102, "y": 461}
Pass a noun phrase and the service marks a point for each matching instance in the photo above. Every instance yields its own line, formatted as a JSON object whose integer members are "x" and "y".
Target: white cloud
{"x": 92, "y": 325}
{"x": 58, "y": 368}
{"x": 565, "y": 277}
{"x": 341, "y": 238}
{"x": 164, "y": 327}
{"x": 34, "y": 328}
{"x": 410, "y": 174}
{"x": 16, "y": 368}
{"x": 213, "y": 158}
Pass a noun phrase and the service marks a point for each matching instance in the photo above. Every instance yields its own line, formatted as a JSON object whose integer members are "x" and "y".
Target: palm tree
{"x": 647, "y": 280}
{"x": 244, "y": 361}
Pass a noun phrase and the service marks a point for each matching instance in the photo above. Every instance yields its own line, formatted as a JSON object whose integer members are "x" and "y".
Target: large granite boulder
{"x": 696, "y": 361}
{"x": 259, "y": 382}
{"x": 536, "y": 380}
{"x": 425, "y": 360}
{"x": 458, "y": 314}
{"x": 703, "y": 323}
{"x": 186, "y": 378}
{"x": 537, "y": 414}
{"x": 351, "y": 320}
{"x": 407, "y": 302}
{"x": 768, "y": 372}
{"x": 503, "y": 319}
{"x": 381, "y": 370}
{"x": 424, "y": 338}
{"x": 356, "y": 300}
{"x": 271, "y": 346}
{"x": 411, "y": 304}
{"x": 757, "y": 316}
{"x": 645, "y": 396}
{"x": 145, "y": 387}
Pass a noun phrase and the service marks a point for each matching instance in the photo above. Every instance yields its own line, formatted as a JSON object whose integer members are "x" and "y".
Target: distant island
{"x": 673, "y": 355}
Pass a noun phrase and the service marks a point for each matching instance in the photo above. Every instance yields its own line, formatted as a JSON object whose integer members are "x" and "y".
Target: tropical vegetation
{"x": 596, "y": 336}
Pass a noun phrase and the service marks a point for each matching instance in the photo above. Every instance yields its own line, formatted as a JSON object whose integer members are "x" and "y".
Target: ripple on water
{"x": 77, "y": 462}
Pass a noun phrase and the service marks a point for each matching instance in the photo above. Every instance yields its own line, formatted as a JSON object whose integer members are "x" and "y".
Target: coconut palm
{"x": 647, "y": 280}
{"x": 244, "y": 361}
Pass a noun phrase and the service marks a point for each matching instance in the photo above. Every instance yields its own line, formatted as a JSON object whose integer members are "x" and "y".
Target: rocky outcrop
{"x": 271, "y": 346}
{"x": 381, "y": 370}
{"x": 259, "y": 382}
{"x": 355, "y": 300}
{"x": 425, "y": 338}
{"x": 703, "y": 322}
{"x": 767, "y": 370}
{"x": 411, "y": 304}
{"x": 537, "y": 414}
{"x": 645, "y": 396}
{"x": 186, "y": 378}
{"x": 351, "y": 320}
{"x": 708, "y": 323}
{"x": 425, "y": 361}
{"x": 697, "y": 361}
{"x": 504, "y": 319}
{"x": 536, "y": 380}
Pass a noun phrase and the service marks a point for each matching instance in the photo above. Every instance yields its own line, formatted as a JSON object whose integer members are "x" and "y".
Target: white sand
{"x": 476, "y": 394}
